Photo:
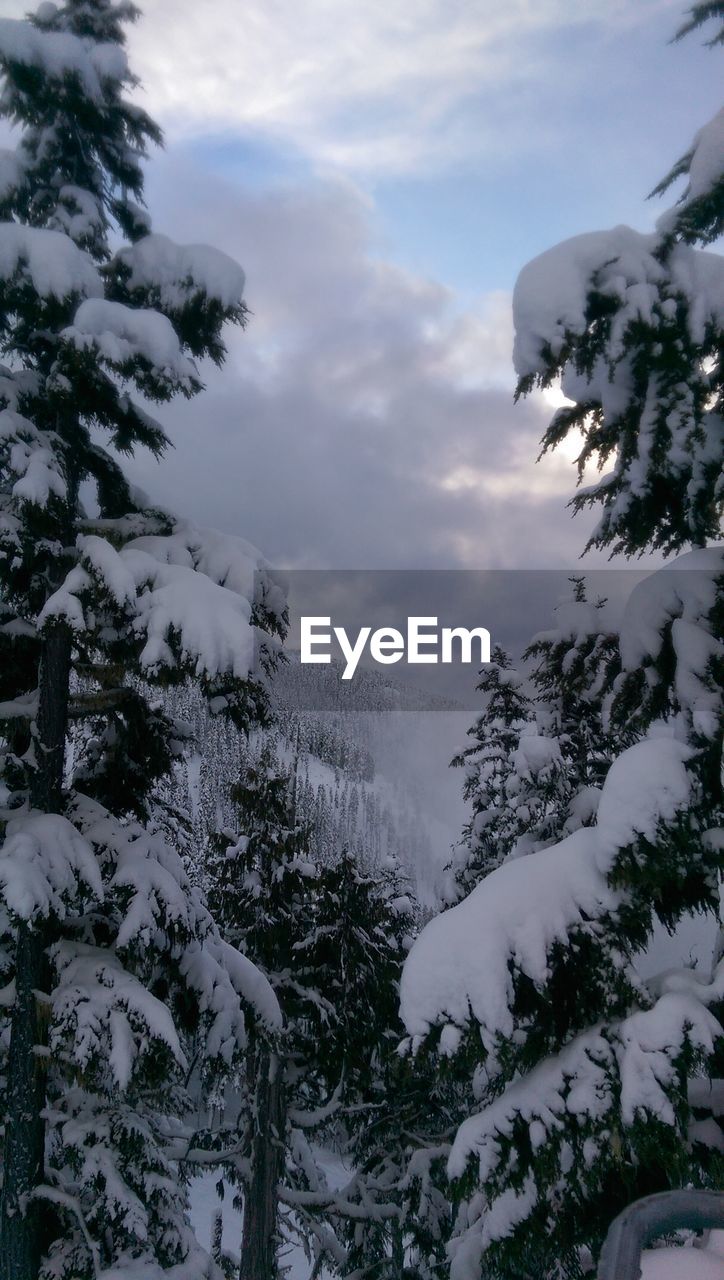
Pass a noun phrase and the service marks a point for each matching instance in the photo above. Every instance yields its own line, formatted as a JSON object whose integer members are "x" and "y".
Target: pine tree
{"x": 500, "y": 814}
{"x": 394, "y": 1118}
{"x": 535, "y": 767}
{"x": 117, "y": 968}
{"x": 573, "y": 669}
{"x": 259, "y": 890}
{"x": 330, "y": 938}
{"x": 631, "y": 324}
{"x": 582, "y": 1071}
{"x": 399, "y": 1147}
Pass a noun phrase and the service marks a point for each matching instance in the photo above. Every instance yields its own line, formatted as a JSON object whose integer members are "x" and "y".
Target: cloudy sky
{"x": 382, "y": 169}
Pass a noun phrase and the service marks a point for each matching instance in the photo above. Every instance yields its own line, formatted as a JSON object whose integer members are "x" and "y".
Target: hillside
{"x": 369, "y": 758}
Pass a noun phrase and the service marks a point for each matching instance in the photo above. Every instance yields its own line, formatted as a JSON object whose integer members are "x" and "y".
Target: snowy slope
{"x": 371, "y": 763}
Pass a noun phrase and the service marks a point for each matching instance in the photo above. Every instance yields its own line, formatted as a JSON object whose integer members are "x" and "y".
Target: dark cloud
{"x": 361, "y": 420}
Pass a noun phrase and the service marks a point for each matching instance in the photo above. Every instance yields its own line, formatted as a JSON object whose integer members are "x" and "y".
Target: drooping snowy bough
{"x": 118, "y": 987}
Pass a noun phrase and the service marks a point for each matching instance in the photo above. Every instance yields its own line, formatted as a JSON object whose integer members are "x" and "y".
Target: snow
{"x": 176, "y": 609}
{"x": 46, "y": 866}
{"x": 628, "y": 1066}
{"x": 584, "y": 1078}
{"x": 460, "y": 966}
{"x": 551, "y": 291}
{"x": 154, "y": 890}
{"x": 688, "y": 582}
{"x": 536, "y": 754}
{"x": 582, "y": 808}
{"x": 154, "y": 898}
{"x": 65, "y": 604}
{"x": 221, "y": 977}
{"x": 550, "y": 296}
{"x": 124, "y": 334}
{"x": 197, "y": 1266}
{"x": 32, "y": 458}
{"x": 705, "y": 165}
{"x": 104, "y": 561}
{"x": 179, "y": 272}
{"x": 683, "y": 593}
{"x": 79, "y": 212}
{"x": 225, "y": 559}
{"x": 210, "y": 624}
{"x": 59, "y": 54}
{"x": 55, "y": 266}
{"x": 251, "y": 983}
{"x": 577, "y": 621}
{"x": 507, "y": 1211}
{"x": 707, "y": 161}
{"x": 646, "y": 785}
{"x": 649, "y": 1040}
{"x": 155, "y": 895}
{"x": 102, "y": 1001}
{"x": 11, "y": 172}
{"x": 682, "y": 1264}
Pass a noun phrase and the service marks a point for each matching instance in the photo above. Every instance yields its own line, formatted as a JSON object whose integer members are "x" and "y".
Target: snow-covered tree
{"x": 584, "y": 1077}
{"x": 631, "y": 324}
{"x": 540, "y": 745}
{"x": 399, "y": 1146}
{"x": 573, "y": 668}
{"x": 585, "y": 1074}
{"x": 498, "y": 779}
{"x": 260, "y": 888}
{"x": 113, "y": 963}
{"x": 363, "y": 920}
{"x": 330, "y": 939}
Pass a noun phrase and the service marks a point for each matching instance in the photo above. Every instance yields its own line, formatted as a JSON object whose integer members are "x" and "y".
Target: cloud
{"x": 362, "y": 420}
{"x": 380, "y": 86}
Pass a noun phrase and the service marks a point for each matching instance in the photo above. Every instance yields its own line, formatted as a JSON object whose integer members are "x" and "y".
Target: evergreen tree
{"x": 573, "y": 669}
{"x": 631, "y": 324}
{"x": 583, "y": 1072}
{"x": 502, "y": 811}
{"x": 399, "y": 1147}
{"x": 330, "y": 939}
{"x": 362, "y": 921}
{"x": 535, "y": 767}
{"x": 263, "y": 889}
{"x": 260, "y": 891}
{"x": 395, "y": 1121}
{"x": 116, "y": 966}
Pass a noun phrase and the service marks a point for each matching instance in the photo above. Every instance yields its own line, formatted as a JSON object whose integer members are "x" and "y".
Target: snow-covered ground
{"x": 686, "y": 1263}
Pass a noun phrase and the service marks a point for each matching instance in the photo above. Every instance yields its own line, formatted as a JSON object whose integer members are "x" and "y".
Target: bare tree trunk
{"x": 21, "y": 1236}
{"x": 259, "y": 1240}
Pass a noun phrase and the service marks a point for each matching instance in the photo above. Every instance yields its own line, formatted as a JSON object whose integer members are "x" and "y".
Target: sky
{"x": 382, "y": 169}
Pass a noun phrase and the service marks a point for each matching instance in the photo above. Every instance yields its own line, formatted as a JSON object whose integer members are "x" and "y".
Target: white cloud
{"x": 382, "y": 85}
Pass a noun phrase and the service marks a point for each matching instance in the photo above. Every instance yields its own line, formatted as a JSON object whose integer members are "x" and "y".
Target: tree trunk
{"x": 259, "y": 1241}
{"x": 398, "y": 1251}
{"x": 21, "y": 1236}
